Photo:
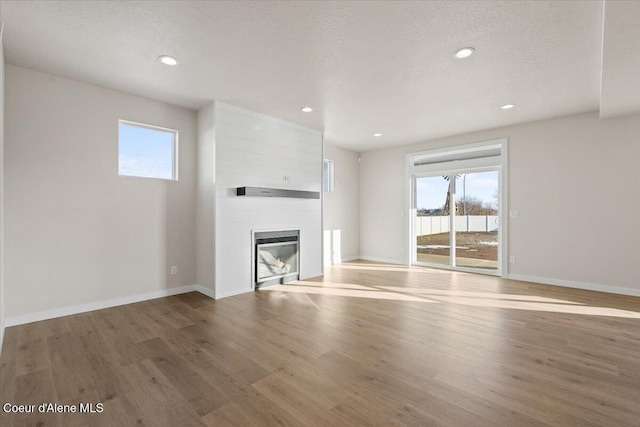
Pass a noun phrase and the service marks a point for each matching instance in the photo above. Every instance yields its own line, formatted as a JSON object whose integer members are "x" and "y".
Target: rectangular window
{"x": 147, "y": 151}
{"x": 327, "y": 176}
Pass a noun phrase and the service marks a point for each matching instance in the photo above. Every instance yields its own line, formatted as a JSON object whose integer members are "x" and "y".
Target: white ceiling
{"x": 621, "y": 59}
{"x": 365, "y": 67}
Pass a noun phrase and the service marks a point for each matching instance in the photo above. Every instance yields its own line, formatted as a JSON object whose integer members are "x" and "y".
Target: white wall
{"x": 76, "y": 232}
{"x": 2, "y": 206}
{"x": 557, "y": 169}
{"x": 205, "y": 206}
{"x": 342, "y": 207}
{"x": 382, "y": 205}
{"x": 255, "y": 150}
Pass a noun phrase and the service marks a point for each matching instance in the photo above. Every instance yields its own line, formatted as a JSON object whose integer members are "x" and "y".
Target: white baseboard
{"x": 234, "y": 293}
{"x": 576, "y": 285}
{"x": 99, "y": 305}
{"x": 205, "y": 291}
{"x": 341, "y": 260}
{"x": 385, "y": 260}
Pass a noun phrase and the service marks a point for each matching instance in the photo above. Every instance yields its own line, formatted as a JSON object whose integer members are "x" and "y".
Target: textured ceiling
{"x": 365, "y": 67}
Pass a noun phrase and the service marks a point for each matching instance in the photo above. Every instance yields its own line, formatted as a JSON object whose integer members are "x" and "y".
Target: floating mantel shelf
{"x": 276, "y": 192}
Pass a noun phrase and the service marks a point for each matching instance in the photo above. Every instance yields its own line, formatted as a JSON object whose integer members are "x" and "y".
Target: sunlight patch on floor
{"x": 464, "y": 298}
{"x": 425, "y": 292}
{"x": 335, "y": 291}
{"x": 373, "y": 267}
{"x": 335, "y": 285}
{"x": 467, "y": 294}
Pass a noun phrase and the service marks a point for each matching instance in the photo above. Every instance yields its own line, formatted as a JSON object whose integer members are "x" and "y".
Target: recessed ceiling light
{"x": 306, "y": 109}
{"x": 508, "y": 106}
{"x": 465, "y": 52}
{"x": 377, "y": 134}
{"x": 168, "y": 60}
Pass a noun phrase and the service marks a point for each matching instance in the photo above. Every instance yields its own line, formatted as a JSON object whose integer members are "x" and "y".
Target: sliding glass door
{"x": 432, "y": 224}
{"x": 476, "y": 222}
{"x": 457, "y": 223}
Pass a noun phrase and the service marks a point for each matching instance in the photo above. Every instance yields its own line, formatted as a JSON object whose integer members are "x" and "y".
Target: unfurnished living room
{"x": 320, "y": 213}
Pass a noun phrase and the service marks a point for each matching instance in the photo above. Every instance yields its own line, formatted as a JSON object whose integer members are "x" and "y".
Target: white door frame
{"x": 460, "y": 166}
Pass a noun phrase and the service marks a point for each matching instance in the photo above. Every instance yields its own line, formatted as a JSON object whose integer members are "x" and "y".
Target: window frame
{"x": 174, "y": 152}
{"x": 478, "y": 164}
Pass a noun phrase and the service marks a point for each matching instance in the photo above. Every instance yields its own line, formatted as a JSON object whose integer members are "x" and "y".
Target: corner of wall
{"x": 2, "y": 310}
{"x": 341, "y": 207}
{"x": 205, "y": 203}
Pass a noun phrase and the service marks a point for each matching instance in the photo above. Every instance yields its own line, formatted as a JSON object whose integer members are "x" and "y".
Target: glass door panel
{"x": 432, "y": 222}
{"x": 476, "y": 221}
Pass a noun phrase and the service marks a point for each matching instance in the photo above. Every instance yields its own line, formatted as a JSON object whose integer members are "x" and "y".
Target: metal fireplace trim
{"x": 276, "y": 192}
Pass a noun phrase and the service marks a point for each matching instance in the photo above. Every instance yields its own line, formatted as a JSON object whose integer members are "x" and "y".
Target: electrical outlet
{"x": 174, "y": 270}
{"x": 286, "y": 179}
{"x": 512, "y": 259}
{"x": 514, "y": 214}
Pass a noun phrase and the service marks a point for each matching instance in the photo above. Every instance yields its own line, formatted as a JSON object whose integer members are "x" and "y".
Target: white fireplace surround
{"x": 250, "y": 149}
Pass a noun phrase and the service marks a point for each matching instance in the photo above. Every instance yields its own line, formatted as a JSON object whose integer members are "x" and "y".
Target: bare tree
{"x": 475, "y": 206}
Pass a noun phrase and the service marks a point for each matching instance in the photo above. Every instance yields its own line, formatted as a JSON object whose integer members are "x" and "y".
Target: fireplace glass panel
{"x": 276, "y": 260}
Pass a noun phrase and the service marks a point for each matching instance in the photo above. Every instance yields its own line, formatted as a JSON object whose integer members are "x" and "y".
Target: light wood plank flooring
{"x": 366, "y": 345}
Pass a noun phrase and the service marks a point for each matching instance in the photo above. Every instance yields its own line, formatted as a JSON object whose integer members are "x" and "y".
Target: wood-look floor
{"x": 367, "y": 345}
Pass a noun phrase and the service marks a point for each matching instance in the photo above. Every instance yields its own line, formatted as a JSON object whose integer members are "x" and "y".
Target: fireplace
{"x": 276, "y": 257}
